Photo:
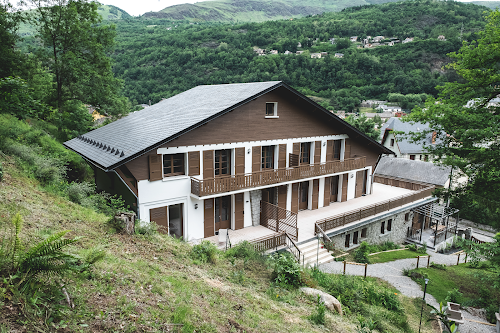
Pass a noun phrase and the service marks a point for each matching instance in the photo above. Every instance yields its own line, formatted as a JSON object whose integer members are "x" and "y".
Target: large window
{"x": 222, "y": 162}
{"x": 305, "y": 153}
{"x": 173, "y": 165}
{"x": 267, "y": 157}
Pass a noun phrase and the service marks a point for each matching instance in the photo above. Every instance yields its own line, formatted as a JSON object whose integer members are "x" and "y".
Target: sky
{"x": 139, "y": 7}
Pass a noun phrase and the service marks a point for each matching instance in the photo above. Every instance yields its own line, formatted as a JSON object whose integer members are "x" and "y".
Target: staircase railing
{"x": 292, "y": 246}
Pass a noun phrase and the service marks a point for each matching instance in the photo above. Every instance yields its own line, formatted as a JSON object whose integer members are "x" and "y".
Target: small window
{"x": 355, "y": 237}
{"x": 412, "y": 157}
{"x": 347, "y": 240}
{"x": 271, "y": 109}
{"x": 389, "y": 225}
{"x": 336, "y": 149}
{"x": 363, "y": 232}
{"x": 407, "y": 216}
{"x": 392, "y": 142}
{"x": 267, "y": 157}
{"x": 382, "y": 227}
{"x": 173, "y": 165}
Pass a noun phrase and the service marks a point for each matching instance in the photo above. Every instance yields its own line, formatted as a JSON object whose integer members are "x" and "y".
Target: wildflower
{"x": 395, "y": 293}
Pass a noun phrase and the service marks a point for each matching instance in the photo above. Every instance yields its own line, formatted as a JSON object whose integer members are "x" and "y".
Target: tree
{"x": 10, "y": 57}
{"x": 467, "y": 120}
{"x": 75, "y": 49}
{"x": 365, "y": 125}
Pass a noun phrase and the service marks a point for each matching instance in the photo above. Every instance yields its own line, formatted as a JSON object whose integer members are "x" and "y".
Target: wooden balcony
{"x": 231, "y": 183}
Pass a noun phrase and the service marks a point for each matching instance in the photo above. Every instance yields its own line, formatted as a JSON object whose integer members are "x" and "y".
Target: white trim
{"x": 271, "y": 117}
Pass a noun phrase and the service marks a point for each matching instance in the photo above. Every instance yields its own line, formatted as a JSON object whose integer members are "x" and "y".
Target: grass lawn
{"x": 391, "y": 256}
{"x": 366, "y": 110}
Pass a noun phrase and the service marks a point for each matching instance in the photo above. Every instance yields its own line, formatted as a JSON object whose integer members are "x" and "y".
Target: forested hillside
{"x": 158, "y": 58}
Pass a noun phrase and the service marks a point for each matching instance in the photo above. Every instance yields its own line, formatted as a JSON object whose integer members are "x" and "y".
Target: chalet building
{"x": 241, "y": 157}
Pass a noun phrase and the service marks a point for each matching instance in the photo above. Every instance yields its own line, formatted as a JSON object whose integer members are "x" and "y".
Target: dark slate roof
{"x": 143, "y": 129}
{"x": 425, "y": 172}
{"x": 139, "y": 132}
{"x": 405, "y": 146}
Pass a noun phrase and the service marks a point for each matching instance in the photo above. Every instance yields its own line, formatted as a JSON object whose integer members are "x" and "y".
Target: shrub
{"x": 318, "y": 317}
{"x": 438, "y": 266}
{"x": 286, "y": 270}
{"x": 454, "y": 296}
{"x": 422, "y": 249}
{"x": 145, "y": 228}
{"x": 244, "y": 250}
{"x": 361, "y": 253}
{"x": 412, "y": 247}
{"x": 205, "y": 252}
{"x": 79, "y": 192}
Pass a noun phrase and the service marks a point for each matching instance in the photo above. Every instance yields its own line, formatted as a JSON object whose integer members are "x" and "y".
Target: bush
{"x": 422, "y": 249}
{"x": 438, "y": 266}
{"x": 244, "y": 250}
{"x": 318, "y": 317}
{"x": 455, "y": 296}
{"x": 361, "y": 253}
{"x": 205, "y": 252}
{"x": 79, "y": 192}
{"x": 412, "y": 247}
{"x": 286, "y": 270}
{"x": 145, "y": 228}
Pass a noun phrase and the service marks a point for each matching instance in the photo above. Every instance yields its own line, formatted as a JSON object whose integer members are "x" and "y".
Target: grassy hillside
{"x": 109, "y": 13}
{"x": 254, "y": 10}
{"x": 146, "y": 282}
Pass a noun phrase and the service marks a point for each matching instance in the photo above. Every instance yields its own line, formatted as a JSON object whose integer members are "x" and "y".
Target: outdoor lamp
{"x": 423, "y": 299}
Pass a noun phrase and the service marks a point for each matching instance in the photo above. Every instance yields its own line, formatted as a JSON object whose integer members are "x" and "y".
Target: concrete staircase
{"x": 309, "y": 252}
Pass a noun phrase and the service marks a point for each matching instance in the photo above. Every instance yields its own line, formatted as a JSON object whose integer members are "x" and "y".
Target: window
{"x": 336, "y": 150}
{"x": 389, "y": 225}
{"x": 363, "y": 232}
{"x": 347, "y": 240}
{"x": 392, "y": 142}
{"x": 267, "y": 157}
{"x": 412, "y": 157}
{"x": 271, "y": 109}
{"x": 305, "y": 153}
{"x": 355, "y": 237}
{"x": 382, "y": 227}
{"x": 173, "y": 165}
{"x": 407, "y": 216}
{"x": 222, "y": 162}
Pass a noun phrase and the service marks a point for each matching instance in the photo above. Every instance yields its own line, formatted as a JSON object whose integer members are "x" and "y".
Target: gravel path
{"x": 392, "y": 272}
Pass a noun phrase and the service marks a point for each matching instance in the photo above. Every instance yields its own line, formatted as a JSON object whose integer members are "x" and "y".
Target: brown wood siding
{"x": 238, "y": 211}
{"x": 329, "y": 150}
{"x": 282, "y": 156}
{"x": 347, "y": 151}
{"x": 315, "y": 194}
{"x": 296, "y": 148}
{"x": 359, "y": 184}
{"x": 360, "y": 147}
{"x": 326, "y": 200}
{"x": 155, "y": 172}
{"x": 131, "y": 182}
{"x": 256, "y": 158}
{"x": 282, "y": 196}
{"x": 239, "y": 159}
{"x": 295, "y": 198}
{"x": 297, "y": 119}
{"x": 208, "y": 164}
{"x": 208, "y": 206}
{"x": 317, "y": 152}
{"x": 344, "y": 187}
{"x": 159, "y": 215}
{"x": 139, "y": 167}
{"x": 194, "y": 163}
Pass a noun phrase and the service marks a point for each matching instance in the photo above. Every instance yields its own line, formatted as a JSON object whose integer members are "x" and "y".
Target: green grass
{"x": 391, "y": 256}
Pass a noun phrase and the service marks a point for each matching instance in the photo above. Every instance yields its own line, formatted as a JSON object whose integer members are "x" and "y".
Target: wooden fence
{"x": 276, "y": 240}
{"x": 225, "y": 184}
{"x": 399, "y": 182}
{"x": 358, "y": 214}
{"x": 279, "y": 219}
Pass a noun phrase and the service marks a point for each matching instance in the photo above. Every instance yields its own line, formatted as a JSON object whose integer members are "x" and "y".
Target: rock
{"x": 330, "y": 302}
{"x": 126, "y": 221}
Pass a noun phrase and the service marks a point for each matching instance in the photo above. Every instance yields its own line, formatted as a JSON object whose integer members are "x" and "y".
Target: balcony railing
{"x": 231, "y": 183}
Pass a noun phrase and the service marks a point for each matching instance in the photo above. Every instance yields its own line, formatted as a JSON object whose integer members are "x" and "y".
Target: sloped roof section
{"x": 142, "y": 129}
{"x": 405, "y": 146}
{"x": 134, "y": 135}
{"x": 420, "y": 171}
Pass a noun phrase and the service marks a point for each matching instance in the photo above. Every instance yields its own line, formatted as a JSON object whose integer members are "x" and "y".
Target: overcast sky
{"x": 139, "y": 7}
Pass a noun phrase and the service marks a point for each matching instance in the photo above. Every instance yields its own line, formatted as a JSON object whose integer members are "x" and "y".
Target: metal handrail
{"x": 228, "y": 240}
{"x": 323, "y": 234}
{"x": 294, "y": 249}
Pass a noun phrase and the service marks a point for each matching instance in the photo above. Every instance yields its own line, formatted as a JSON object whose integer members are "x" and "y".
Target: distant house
{"x": 375, "y": 44}
{"x": 391, "y": 43}
{"x": 260, "y": 52}
{"x": 316, "y": 55}
{"x": 332, "y": 40}
{"x": 384, "y": 115}
{"x": 273, "y": 52}
{"x": 288, "y": 52}
{"x": 353, "y": 39}
{"x": 339, "y": 55}
{"x": 441, "y": 37}
{"x": 299, "y": 44}
{"x": 378, "y": 39}
{"x": 324, "y": 54}
{"x": 392, "y": 109}
{"x": 407, "y": 40}
{"x": 400, "y": 145}
{"x": 365, "y": 41}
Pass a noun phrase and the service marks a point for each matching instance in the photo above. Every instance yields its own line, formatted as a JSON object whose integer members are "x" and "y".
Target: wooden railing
{"x": 399, "y": 182}
{"x": 225, "y": 184}
{"x": 276, "y": 240}
{"x": 279, "y": 219}
{"x": 358, "y": 214}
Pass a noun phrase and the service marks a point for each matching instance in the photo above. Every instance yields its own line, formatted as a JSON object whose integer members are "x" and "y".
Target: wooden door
{"x": 303, "y": 195}
{"x": 238, "y": 211}
{"x": 223, "y": 212}
{"x": 175, "y": 221}
{"x": 282, "y": 156}
{"x": 239, "y": 161}
{"x": 209, "y": 217}
{"x": 208, "y": 164}
{"x": 317, "y": 152}
{"x": 315, "y": 194}
{"x": 159, "y": 216}
{"x": 359, "y": 184}
{"x": 344, "y": 187}
{"x": 295, "y": 197}
{"x": 326, "y": 200}
{"x": 282, "y": 196}
{"x": 334, "y": 188}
